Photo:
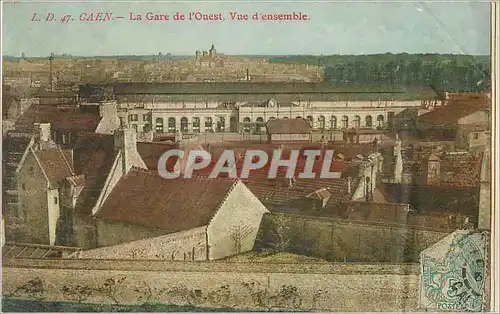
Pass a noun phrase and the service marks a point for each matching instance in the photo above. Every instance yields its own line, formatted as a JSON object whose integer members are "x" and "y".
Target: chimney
{"x": 126, "y": 141}
{"x": 247, "y": 75}
{"x": 42, "y": 130}
{"x": 109, "y": 118}
{"x": 50, "y": 72}
{"x": 349, "y": 189}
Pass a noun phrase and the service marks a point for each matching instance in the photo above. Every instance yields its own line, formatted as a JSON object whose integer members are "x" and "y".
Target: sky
{"x": 332, "y": 28}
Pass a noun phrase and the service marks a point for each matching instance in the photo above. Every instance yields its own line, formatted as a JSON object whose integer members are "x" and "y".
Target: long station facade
{"x": 246, "y": 107}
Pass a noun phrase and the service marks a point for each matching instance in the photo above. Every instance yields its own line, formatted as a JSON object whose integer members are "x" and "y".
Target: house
{"x": 288, "y": 130}
{"x": 465, "y": 120}
{"x": 362, "y": 135}
{"x": 147, "y": 216}
{"x": 51, "y": 192}
{"x": 33, "y": 202}
{"x": 102, "y": 159}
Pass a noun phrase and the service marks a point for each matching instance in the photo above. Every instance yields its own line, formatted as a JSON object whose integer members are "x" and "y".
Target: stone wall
{"x": 345, "y": 240}
{"x": 115, "y": 232}
{"x": 185, "y": 245}
{"x": 305, "y": 287}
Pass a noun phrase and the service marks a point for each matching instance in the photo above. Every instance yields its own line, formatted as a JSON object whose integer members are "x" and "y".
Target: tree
{"x": 238, "y": 234}
{"x": 278, "y": 239}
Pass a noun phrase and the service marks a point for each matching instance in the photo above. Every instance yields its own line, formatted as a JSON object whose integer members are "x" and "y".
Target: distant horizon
{"x": 246, "y": 55}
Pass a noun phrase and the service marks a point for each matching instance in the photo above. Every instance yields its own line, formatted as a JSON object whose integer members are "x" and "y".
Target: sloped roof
{"x": 455, "y": 110}
{"x": 55, "y": 166}
{"x": 151, "y": 152}
{"x": 94, "y": 155}
{"x": 250, "y": 87}
{"x": 70, "y": 119}
{"x": 288, "y": 126}
{"x": 143, "y": 198}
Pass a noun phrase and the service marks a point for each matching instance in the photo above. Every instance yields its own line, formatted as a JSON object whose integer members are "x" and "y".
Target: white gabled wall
{"x": 234, "y": 227}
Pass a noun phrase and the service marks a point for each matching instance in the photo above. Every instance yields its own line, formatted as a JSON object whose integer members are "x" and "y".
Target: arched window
{"x": 333, "y": 122}
{"x": 246, "y": 124}
{"x": 271, "y": 118}
{"x": 345, "y": 122}
{"x": 356, "y": 122}
{"x": 221, "y": 125}
{"x": 321, "y": 122}
{"x": 208, "y": 124}
{"x": 368, "y": 121}
{"x": 259, "y": 124}
{"x": 380, "y": 121}
{"x": 171, "y": 125}
{"x": 298, "y": 117}
{"x": 159, "y": 125}
{"x": 196, "y": 124}
{"x": 285, "y": 118}
{"x": 184, "y": 124}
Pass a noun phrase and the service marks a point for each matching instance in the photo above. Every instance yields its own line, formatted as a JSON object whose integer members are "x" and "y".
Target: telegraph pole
{"x": 50, "y": 72}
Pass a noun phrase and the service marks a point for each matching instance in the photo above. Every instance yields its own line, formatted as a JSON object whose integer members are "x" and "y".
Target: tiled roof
{"x": 54, "y": 165}
{"x": 426, "y": 199}
{"x": 288, "y": 126}
{"x": 77, "y": 181}
{"x": 279, "y": 192}
{"x": 94, "y": 155}
{"x": 455, "y": 110}
{"x": 70, "y": 119}
{"x": 151, "y": 152}
{"x": 144, "y": 198}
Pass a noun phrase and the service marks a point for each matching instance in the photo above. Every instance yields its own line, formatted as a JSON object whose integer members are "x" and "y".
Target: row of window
{"x": 209, "y": 124}
{"x": 356, "y": 123}
{"x": 220, "y": 124}
{"x": 135, "y": 117}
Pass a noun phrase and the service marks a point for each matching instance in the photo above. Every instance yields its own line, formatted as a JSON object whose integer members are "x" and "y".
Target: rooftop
{"x": 456, "y": 109}
{"x": 68, "y": 119}
{"x": 144, "y": 198}
{"x": 322, "y": 90}
{"x": 55, "y": 165}
{"x": 94, "y": 155}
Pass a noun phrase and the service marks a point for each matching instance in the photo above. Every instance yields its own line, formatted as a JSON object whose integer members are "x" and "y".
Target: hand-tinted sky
{"x": 333, "y": 28}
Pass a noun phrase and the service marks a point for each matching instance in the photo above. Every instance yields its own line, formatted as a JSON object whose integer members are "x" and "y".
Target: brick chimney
{"x": 126, "y": 141}
{"x": 109, "y": 118}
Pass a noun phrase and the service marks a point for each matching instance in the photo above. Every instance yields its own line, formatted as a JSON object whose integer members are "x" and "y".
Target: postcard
{"x": 246, "y": 156}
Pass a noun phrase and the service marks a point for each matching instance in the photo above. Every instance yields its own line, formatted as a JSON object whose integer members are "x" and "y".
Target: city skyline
{"x": 375, "y": 27}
